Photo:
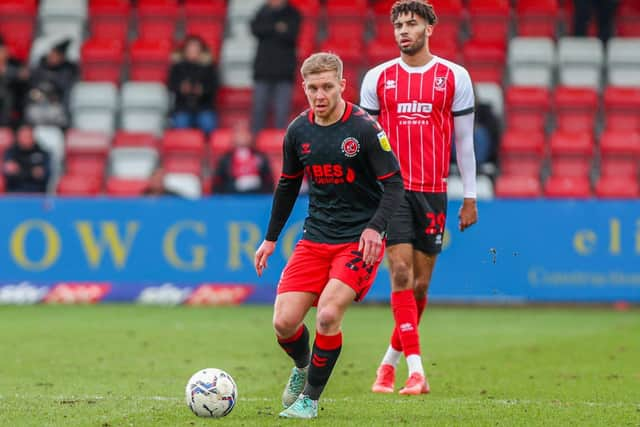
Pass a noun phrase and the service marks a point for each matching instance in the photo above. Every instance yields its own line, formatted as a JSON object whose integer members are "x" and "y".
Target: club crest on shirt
{"x": 384, "y": 141}
{"x": 350, "y": 147}
{"x": 306, "y": 148}
{"x": 440, "y": 83}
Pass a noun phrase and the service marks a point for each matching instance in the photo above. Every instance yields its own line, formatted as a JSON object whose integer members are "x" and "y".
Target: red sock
{"x": 405, "y": 313}
{"x": 395, "y": 337}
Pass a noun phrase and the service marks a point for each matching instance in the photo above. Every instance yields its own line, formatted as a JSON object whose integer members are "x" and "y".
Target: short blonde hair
{"x": 321, "y": 62}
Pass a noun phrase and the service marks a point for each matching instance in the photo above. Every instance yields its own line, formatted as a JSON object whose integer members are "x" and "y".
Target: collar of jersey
{"x": 420, "y": 69}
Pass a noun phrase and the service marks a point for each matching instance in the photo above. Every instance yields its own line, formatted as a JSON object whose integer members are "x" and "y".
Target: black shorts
{"x": 420, "y": 220}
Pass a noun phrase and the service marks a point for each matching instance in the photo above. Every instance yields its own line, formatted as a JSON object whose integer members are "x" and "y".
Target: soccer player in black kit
{"x": 354, "y": 187}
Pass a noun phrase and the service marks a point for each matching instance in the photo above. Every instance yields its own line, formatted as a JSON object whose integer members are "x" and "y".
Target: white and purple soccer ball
{"x": 211, "y": 393}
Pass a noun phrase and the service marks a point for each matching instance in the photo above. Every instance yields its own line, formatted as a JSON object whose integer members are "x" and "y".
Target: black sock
{"x": 326, "y": 350}
{"x": 297, "y": 346}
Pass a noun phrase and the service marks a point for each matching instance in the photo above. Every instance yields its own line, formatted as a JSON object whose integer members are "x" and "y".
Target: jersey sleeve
{"x": 368, "y": 92}
{"x": 381, "y": 158}
{"x": 463, "y": 98}
{"x": 291, "y": 165}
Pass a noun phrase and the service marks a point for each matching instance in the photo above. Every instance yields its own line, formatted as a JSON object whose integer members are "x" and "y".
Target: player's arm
{"x": 385, "y": 165}
{"x": 466, "y": 159}
{"x": 284, "y": 199}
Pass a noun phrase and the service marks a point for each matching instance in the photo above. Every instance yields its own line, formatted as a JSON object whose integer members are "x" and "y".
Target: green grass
{"x": 127, "y": 365}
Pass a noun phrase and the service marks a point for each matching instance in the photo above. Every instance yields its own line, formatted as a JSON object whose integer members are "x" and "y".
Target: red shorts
{"x": 313, "y": 264}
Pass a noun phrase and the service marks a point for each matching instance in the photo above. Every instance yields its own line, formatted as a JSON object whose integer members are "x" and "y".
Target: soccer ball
{"x": 211, "y": 393}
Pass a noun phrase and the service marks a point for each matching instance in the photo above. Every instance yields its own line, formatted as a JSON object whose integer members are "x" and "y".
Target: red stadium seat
{"x": 485, "y": 59}
{"x": 89, "y": 165}
{"x": 617, "y": 187}
{"x": 220, "y": 142}
{"x": 341, "y": 9}
{"x": 210, "y": 32}
{"x": 119, "y": 187}
{"x": 620, "y": 154}
{"x": 340, "y": 29}
{"x": 567, "y": 16}
{"x": 451, "y": 18}
{"x": 621, "y": 108}
{"x": 102, "y": 60}
{"x": 518, "y": 186}
{"x": 521, "y": 153}
{"x": 561, "y": 187}
{"x": 177, "y": 163}
{"x": 269, "y": 141}
{"x": 134, "y": 139}
{"x": 627, "y": 19}
{"x": 576, "y": 108}
{"x": 205, "y": 10}
{"x": 183, "y": 141}
{"x": 2, "y": 186}
{"x": 228, "y": 118}
{"x": 234, "y": 98}
{"x": 308, "y": 8}
{"x": 350, "y": 50}
{"x": 381, "y": 49}
{"x": 161, "y": 29}
{"x": 571, "y": 153}
{"x": 489, "y": 19}
{"x": 18, "y": 10}
{"x": 87, "y": 142}
{"x": 149, "y": 59}
{"x": 527, "y": 108}
{"x": 79, "y": 185}
{"x": 537, "y": 18}
{"x": 444, "y": 47}
{"x": 109, "y": 18}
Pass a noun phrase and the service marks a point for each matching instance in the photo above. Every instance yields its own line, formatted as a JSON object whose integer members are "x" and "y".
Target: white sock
{"x": 391, "y": 357}
{"x": 414, "y": 363}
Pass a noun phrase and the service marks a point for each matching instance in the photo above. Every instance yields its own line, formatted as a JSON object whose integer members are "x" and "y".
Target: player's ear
{"x": 343, "y": 84}
{"x": 428, "y": 30}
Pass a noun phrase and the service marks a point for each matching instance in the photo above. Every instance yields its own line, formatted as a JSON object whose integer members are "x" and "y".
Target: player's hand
{"x": 370, "y": 245}
{"x": 262, "y": 254}
{"x": 468, "y": 214}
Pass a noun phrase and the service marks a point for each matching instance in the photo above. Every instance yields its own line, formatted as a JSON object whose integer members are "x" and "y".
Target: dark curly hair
{"x": 422, "y": 8}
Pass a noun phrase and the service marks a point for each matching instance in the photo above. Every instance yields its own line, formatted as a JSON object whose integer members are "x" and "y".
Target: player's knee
{"x": 284, "y": 326}
{"x": 421, "y": 286}
{"x": 400, "y": 276}
{"x": 328, "y": 320}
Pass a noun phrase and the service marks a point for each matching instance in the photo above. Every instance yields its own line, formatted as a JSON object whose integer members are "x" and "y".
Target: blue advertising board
{"x": 172, "y": 251}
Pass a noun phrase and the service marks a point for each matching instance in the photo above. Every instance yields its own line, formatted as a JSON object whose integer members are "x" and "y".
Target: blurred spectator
{"x": 276, "y": 27}
{"x": 486, "y": 139}
{"x": 51, "y": 83}
{"x": 157, "y": 186}
{"x": 13, "y": 83}
{"x": 604, "y": 11}
{"x": 26, "y": 165}
{"x": 193, "y": 81}
{"x": 243, "y": 169}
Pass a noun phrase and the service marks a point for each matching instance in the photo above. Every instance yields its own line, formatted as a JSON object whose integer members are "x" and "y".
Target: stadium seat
{"x": 157, "y": 17}
{"x": 627, "y": 19}
{"x": 209, "y": 11}
{"x": 349, "y": 50}
{"x": 144, "y": 121}
{"x": 2, "y": 185}
{"x": 527, "y": 107}
{"x": 236, "y": 59}
{"x": 522, "y": 152}
{"x": 211, "y": 33}
{"x": 18, "y": 38}
{"x": 134, "y": 139}
{"x": 345, "y": 9}
{"x": 149, "y": 59}
{"x": 310, "y": 9}
{"x": 227, "y": 119}
{"x": 443, "y": 47}
{"x": 621, "y": 106}
{"x": 242, "y": 10}
{"x": 489, "y": 19}
{"x": 62, "y": 16}
{"x": 269, "y": 141}
{"x": 51, "y": 139}
{"x": 102, "y": 59}
{"x": 220, "y": 141}
{"x": 79, "y": 185}
{"x": 87, "y": 165}
{"x": 381, "y": 49}
{"x": 44, "y": 43}
{"x": 94, "y": 96}
{"x": 184, "y": 141}
{"x": 580, "y": 60}
{"x": 94, "y": 120}
{"x": 491, "y": 93}
{"x": 537, "y": 18}
{"x": 571, "y": 153}
{"x": 109, "y": 19}
{"x": 531, "y": 61}
{"x": 484, "y": 188}
{"x": 620, "y": 154}
{"x": 452, "y": 18}
{"x": 119, "y": 187}
{"x": 185, "y": 184}
{"x": 562, "y": 187}
{"x": 623, "y": 61}
{"x": 575, "y": 108}
{"x": 179, "y": 163}
{"x": 517, "y": 186}
{"x": 132, "y": 162}
{"x": 232, "y": 98}
{"x": 617, "y": 187}
{"x": 144, "y": 96}
{"x": 485, "y": 60}
{"x": 87, "y": 142}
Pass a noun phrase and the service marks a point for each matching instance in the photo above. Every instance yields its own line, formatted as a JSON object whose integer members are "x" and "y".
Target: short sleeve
{"x": 291, "y": 165}
{"x": 368, "y": 92}
{"x": 463, "y": 98}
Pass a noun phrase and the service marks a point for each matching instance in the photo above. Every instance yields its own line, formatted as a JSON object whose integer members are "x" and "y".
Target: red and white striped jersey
{"x": 416, "y": 106}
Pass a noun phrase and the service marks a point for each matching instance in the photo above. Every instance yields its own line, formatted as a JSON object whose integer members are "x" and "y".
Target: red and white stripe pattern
{"x": 416, "y": 106}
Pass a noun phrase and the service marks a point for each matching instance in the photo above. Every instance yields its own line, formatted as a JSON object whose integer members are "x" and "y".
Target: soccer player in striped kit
{"x": 423, "y": 102}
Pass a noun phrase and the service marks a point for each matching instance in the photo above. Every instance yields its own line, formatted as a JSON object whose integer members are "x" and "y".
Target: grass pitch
{"x": 115, "y": 365}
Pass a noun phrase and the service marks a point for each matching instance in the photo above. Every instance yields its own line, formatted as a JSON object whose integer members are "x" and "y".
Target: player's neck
{"x": 336, "y": 115}
{"x": 419, "y": 59}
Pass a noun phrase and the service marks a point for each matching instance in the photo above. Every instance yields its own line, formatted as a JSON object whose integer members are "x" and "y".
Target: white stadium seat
{"x": 94, "y": 96}
{"x": 51, "y": 138}
{"x": 185, "y": 184}
{"x": 491, "y": 93}
{"x": 145, "y": 96}
{"x": 623, "y": 61}
{"x": 580, "y": 60}
{"x": 132, "y": 162}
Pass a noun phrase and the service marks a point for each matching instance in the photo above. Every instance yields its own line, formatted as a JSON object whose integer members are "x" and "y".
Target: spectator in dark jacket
{"x": 193, "y": 81}
{"x": 243, "y": 169}
{"x": 604, "y": 11}
{"x": 13, "y": 84}
{"x": 26, "y": 165}
{"x": 276, "y": 26}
